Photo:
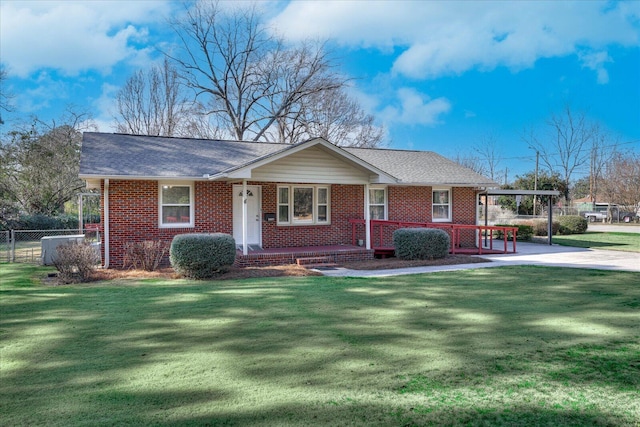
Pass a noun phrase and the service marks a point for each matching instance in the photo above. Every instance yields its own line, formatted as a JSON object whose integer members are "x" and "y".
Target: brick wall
{"x": 464, "y": 212}
{"x": 347, "y": 201}
{"x": 134, "y": 214}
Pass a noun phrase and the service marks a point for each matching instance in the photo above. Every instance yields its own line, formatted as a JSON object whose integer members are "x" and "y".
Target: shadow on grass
{"x": 322, "y": 350}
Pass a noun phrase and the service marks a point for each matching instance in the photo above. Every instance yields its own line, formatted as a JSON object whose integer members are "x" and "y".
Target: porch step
{"x": 384, "y": 252}
{"x": 316, "y": 261}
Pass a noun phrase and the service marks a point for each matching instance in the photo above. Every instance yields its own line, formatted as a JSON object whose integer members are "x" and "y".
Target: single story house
{"x": 275, "y": 199}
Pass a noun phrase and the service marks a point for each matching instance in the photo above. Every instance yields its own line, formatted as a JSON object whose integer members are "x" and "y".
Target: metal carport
{"x": 498, "y": 192}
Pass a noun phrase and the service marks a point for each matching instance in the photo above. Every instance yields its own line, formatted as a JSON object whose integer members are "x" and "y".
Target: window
{"x": 176, "y": 205}
{"x": 299, "y": 204}
{"x": 377, "y": 203}
{"x": 441, "y": 205}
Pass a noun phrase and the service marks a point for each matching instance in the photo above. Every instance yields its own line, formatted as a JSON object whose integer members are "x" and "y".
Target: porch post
{"x": 245, "y": 250}
{"x": 367, "y": 218}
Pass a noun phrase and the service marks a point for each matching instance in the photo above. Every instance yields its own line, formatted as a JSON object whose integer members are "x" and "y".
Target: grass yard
{"x": 500, "y": 346}
{"x": 616, "y": 241}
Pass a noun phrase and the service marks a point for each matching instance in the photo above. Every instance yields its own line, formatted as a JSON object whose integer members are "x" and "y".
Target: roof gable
{"x": 317, "y": 159}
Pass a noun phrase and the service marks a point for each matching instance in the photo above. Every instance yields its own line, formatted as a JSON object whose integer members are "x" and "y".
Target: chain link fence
{"x": 26, "y": 246}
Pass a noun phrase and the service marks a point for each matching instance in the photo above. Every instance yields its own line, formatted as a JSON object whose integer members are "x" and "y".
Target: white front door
{"x": 254, "y": 223}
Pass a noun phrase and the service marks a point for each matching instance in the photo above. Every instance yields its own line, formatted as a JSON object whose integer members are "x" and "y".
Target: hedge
{"x": 525, "y": 232}
{"x": 41, "y": 222}
{"x": 201, "y": 256}
{"x": 421, "y": 243}
{"x": 572, "y": 224}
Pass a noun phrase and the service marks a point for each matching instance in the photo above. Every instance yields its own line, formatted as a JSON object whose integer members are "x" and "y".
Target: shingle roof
{"x": 134, "y": 156}
{"x": 111, "y": 155}
{"x": 420, "y": 167}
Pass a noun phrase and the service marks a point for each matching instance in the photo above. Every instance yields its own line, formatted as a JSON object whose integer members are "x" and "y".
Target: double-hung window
{"x": 176, "y": 205}
{"x": 441, "y": 205}
{"x": 377, "y": 203}
{"x": 303, "y": 204}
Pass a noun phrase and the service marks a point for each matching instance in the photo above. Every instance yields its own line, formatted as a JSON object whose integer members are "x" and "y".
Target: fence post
{"x": 12, "y": 253}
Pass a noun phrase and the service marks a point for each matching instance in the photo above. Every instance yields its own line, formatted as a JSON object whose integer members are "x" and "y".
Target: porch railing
{"x": 382, "y": 230}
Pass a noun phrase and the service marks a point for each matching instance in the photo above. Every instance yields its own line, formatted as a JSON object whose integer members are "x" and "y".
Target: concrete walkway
{"x": 528, "y": 254}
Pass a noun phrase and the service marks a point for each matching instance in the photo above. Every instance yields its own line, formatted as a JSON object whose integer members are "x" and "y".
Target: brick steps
{"x": 317, "y": 261}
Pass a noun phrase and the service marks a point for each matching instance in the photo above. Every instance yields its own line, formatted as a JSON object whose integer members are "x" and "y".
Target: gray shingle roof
{"x": 111, "y": 155}
{"x": 120, "y": 155}
{"x": 421, "y": 167}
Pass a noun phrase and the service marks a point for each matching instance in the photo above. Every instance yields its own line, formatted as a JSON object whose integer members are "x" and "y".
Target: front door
{"x": 253, "y": 215}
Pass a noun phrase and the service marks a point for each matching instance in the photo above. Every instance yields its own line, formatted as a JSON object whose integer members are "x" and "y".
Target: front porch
{"x": 307, "y": 255}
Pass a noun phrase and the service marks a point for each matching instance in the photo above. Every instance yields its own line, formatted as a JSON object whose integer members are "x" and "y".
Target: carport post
{"x": 550, "y": 224}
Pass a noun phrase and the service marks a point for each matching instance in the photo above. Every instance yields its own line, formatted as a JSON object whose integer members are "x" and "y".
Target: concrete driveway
{"x": 528, "y": 254}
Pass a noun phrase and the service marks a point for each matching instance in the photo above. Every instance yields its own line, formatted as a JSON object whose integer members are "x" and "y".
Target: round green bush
{"x": 540, "y": 228}
{"x": 572, "y": 224}
{"x": 200, "y": 256}
{"x": 421, "y": 243}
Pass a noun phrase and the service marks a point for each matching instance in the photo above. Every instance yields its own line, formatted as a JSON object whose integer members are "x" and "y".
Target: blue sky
{"x": 440, "y": 76}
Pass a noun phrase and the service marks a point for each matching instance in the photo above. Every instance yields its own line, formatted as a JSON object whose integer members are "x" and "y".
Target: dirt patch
{"x": 287, "y": 270}
{"x": 234, "y": 273}
{"x": 391, "y": 263}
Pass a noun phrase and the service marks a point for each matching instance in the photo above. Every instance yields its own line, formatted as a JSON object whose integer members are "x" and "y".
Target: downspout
{"x": 367, "y": 218}
{"x": 106, "y": 223}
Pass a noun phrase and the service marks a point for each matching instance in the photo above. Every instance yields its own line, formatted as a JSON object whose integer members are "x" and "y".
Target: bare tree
{"x": 334, "y": 116}
{"x": 565, "y": 144}
{"x": 154, "y": 103}
{"x": 621, "y": 180}
{"x": 490, "y": 157}
{"x": 603, "y": 151}
{"x": 5, "y": 95}
{"x": 246, "y": 77}
{"x": 472, "y": 162}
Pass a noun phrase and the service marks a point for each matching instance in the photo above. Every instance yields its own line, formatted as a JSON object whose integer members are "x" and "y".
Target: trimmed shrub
{"x": 145, "y": 255}
{"x": 75, "y": 261}
{"x": 421, "y": 243}
{"x": 572, "y": 224}
{"x": 200, "y": 256}
{"x": 525, "y": 232}
{"x": 540, "y": 228}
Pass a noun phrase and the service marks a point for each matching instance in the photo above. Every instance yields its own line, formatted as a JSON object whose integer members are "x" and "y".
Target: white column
{"x": 80, "y": 218}
{"x": 367, "y": 218}
{"x": 245, "y": 250}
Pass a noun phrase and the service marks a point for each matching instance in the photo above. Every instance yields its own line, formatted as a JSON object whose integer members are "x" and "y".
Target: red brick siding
{"x": 347, "y": 201}
{"x": 411, "y": 204}
{"x": 134, "y": 211}
{"x": 464, "y": 212}
{"x": 134, "y": 214}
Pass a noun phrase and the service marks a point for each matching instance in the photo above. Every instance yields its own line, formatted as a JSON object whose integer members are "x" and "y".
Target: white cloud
{"x": 73, "y": 36}
{"x": 448, "y": 38}
{"x": 106, "y": 107}
{"x": 595, "y": 61}
{"x": 416, "y": 109}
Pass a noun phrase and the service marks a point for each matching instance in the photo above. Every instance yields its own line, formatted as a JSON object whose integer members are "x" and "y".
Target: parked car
{"x": 629, "y": 216}
{"x": 595, "y": 215}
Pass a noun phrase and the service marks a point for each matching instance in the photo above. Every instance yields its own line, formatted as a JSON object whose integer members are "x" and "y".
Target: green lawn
{"x": 616, "y": 241}
{"x": 500, "y": 346}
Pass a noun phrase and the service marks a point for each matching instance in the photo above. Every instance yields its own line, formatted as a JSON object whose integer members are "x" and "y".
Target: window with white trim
{"x": 303, "y": 204}
{"x": 176, "y": 205}
{"x": 377, "y": 203}
{"x": 441, "y": 206}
